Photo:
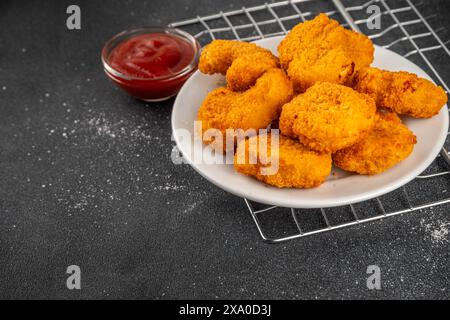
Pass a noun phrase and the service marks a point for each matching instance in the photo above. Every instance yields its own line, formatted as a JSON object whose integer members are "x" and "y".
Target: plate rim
{"x": 315, "y": 204}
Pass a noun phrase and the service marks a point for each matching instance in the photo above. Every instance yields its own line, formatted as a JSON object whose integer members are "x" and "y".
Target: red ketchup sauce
{"x": 152, "y": 66}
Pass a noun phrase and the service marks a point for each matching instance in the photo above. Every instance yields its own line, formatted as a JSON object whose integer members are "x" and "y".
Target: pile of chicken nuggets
{"x": 330, "y": 106}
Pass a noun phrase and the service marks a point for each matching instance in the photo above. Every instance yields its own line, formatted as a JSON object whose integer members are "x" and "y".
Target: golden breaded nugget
{"x": 328, "y": 117}
{"x": 403, "y": 92}
{"x": 242, "y": 62}
{"x": 298, "y": 166}
{"x": 255, "y": 108}
{"x": 322, "y": 50}
{"x": 387, "y": 144}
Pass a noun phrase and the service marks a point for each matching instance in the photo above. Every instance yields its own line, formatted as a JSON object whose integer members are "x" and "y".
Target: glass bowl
{"x": 150, "y": 88}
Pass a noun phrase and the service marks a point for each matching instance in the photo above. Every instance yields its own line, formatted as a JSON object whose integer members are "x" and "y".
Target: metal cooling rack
{"x": 404, "y": 30}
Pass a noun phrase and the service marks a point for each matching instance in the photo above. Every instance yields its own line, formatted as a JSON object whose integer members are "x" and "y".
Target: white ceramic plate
{"x": 341, "y": 190}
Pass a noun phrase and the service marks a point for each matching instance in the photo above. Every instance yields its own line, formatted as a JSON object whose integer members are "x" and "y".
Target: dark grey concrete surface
{"x": 86, "y": 179}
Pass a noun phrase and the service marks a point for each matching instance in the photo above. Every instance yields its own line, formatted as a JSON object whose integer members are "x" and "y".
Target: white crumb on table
{"x": 437, "y": 231}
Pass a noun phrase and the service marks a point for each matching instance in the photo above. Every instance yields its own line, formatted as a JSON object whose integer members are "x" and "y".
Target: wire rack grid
{"x": 404, "y": 30}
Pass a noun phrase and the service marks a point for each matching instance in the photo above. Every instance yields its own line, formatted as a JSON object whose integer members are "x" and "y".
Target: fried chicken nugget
{"x": 255, "y": 108}
{"x": 328, "y": 117}
{"x": 323, "y": 50}
{"x": 403, "y": 92}
{"x": 386, "y": 145}
{"x": 297, "y": 166}
{"x": 242, "y": 62}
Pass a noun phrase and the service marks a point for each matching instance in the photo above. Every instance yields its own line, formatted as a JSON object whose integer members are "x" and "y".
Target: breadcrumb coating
{"x": 322, "y": 50}
{"x": 403, "y": 92}
{"x": 298, "y": 166}
{"x": 255, "y": 108}
{"x": 387, "y": 144}
{"x": 328, "y": 117}
{"x": 242, "y": 62}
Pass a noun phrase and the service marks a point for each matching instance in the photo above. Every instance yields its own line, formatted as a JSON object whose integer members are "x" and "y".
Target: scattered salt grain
{"x": 438, "y": 231}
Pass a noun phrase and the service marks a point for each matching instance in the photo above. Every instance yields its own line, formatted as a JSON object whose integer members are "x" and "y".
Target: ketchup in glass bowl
{"x": 151, "y": 63}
